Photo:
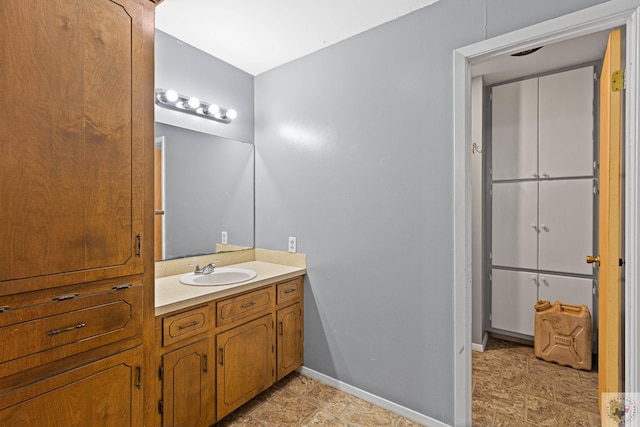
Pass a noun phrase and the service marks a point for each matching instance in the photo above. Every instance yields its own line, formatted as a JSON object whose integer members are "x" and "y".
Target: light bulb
{"x": 213, "y": 109}
{"x": 171, "y": 95}
{"x": 232, "y": 114}
{"x": 193, "y": 102}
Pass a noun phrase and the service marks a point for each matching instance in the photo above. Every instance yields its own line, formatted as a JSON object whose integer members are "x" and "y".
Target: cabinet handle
{"x": 64, "y": 297}
{"x": 120, "y": 287}
{"x": 535, "y": 227}
{"x": 188, "y": 325}
{"x": 248, "y": 305}
{"x": 139, "y": 238}
{"x": 4, "y": 308}
{"x": 288, "y": 291}
{"x": 205, "y": 362}
{"x": 544, "y": 227}
{"x": 139, "y": 377}
{"x": 280, "y": 328}
{"x": 221, "y": 356}
{"x": 70, "y": 328}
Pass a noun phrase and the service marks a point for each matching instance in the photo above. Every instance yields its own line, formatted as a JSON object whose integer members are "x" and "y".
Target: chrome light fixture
{"x": 172, "y": 100}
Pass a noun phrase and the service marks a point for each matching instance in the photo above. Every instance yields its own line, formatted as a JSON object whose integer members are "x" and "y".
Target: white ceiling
{"x": 257, "y": 35}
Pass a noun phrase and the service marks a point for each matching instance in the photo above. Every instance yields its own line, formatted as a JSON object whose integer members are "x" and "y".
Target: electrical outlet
{"x": 293, "y": 244}
{"x": 223, "y": 238}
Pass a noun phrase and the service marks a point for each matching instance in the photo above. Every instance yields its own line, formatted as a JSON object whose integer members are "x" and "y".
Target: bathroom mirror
{"x": 204, "y": 188}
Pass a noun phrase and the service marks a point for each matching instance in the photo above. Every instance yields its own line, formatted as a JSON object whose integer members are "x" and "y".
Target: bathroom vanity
{"x": 219, "y": 346}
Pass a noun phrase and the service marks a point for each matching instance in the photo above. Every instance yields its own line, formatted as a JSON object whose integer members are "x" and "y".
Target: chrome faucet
{"x": 207, "y": 269}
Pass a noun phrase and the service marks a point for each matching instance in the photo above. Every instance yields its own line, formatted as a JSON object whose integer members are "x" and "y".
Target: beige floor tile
{"x": 239, "y": 420}
{"x": 328, "y": 398}
{"x": 284, "y": 409}
{"x": 364, "y": 414}
{"x": 296, "y": 383}
{"x": 548, "y": 387}
{"x": 323, "y": 419}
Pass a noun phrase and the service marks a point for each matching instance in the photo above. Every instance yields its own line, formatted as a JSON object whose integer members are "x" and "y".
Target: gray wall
{"x": 354, "y": 157}
{"x": 192, "y": 72}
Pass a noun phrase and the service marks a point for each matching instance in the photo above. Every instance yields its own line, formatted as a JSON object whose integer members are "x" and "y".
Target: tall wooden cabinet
{"x": 542, "y": 193}
{"x": 76, "y": 183}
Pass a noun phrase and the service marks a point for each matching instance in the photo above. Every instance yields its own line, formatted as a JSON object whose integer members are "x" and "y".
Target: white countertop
{"x": 171, "y": 295}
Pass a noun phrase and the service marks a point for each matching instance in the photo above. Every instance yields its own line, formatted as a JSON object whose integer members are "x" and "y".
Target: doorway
{"x": 605, "y": 16}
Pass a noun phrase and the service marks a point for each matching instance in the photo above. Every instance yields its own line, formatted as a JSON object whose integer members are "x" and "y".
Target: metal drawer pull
{"x": 248, "y": 305}
{"x": 188, "y": 325}
{"x": 125, "y": 286}
{"x": 70, "y": 328}
{"x": 205, "y": 361}
{"x": 3, "y": 308}
{"x": 288, "y": 291}
{"x": 64, "y": 297}
{"x": 281, "y": 328}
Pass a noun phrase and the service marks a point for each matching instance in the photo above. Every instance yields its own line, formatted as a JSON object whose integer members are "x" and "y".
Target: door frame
{"x": 607, "y": 15}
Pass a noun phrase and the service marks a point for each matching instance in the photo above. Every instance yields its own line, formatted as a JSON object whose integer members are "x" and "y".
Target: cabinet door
{"x": 245, "y": 366}
{"x": 514, "y": 130}
{"x": 566, "y": 124}
{"x": 513, "y": 295}
{"x": 568, "y": 290}
{"x": 514, "y": 224}
{"x": 289, "y": 339}
{"x": 104, "y": 393}
{"x": 566, "y": 225}
{"x": 188, "y": 386}
{"x": 72, "y": 134}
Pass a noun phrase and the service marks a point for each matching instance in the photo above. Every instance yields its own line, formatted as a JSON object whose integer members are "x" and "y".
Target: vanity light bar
{"x": 191, "y": 105}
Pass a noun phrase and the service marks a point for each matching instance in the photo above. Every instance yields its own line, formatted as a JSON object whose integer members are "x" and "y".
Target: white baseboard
{"x": 481, "y": 347}
{"x": 372, "y": 398}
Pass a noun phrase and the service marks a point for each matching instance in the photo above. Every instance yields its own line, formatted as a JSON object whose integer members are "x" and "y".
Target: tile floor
{"x": 511, "y": 387}
{"x": 297, "y": 400}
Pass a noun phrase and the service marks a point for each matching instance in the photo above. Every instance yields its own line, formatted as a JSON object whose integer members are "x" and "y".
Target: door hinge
{"x": 617, "y": 81}
{"x": 161, "y": 372}
{"x": 160, "y": 407}
{"x": 620, "y": 262}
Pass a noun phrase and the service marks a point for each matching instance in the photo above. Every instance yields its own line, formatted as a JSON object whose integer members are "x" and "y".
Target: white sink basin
{"x": 220, "y": 276}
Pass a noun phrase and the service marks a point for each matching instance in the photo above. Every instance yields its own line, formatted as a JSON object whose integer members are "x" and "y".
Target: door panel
{"x": 513, "y": 295}
{"x": 514, "y": 229}
{"x": 566, "y": 225}
{"x": 610, "y": 227}
{"x": 514, "y": 125}
{"x": 566, "y": 124}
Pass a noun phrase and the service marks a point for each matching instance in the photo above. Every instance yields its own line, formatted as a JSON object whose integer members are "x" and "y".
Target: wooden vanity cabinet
{"x": 289, "y": 336}
{"x": 107, "y": 392}
{"x": 76, "y": 237}
{"x": 188, "y": 386}
{"x": 246, "y": 363}
{"x": 257, "y": 337}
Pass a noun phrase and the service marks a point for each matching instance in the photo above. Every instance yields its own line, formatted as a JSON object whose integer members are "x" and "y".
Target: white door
{"x": 568, "y": 290}
{"x": 513, "y": 295}
{"x": 566, "y": 124}
{"x": 566, "y": 225}
{"x": 514, "y": 127}
{"x": 515, "y": 224}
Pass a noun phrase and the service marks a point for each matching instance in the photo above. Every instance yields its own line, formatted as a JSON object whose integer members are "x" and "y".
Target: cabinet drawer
{"x": 93, "y": 320}
{"x": 289, "y": 290}
{"x": 244, "y": 306}
{"x": 183, "y": 325}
